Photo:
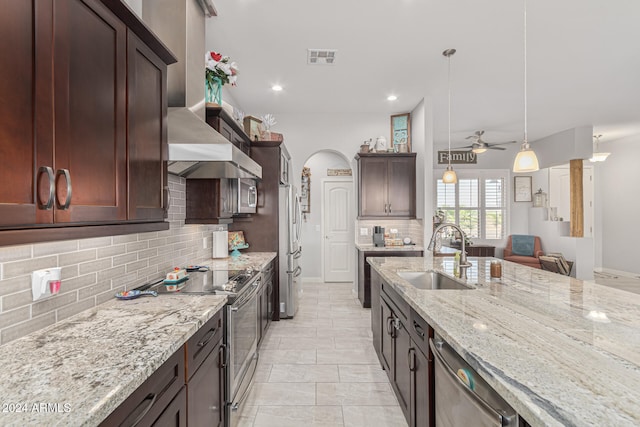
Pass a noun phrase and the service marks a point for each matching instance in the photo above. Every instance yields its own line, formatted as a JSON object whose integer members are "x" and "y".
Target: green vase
{"x": 213, "y": 90}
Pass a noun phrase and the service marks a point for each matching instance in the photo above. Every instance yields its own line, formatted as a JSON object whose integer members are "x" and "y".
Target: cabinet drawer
{"x": 420, "y": 331}
{"x": 202, "y": 342}
{"x": 150, "y": 400}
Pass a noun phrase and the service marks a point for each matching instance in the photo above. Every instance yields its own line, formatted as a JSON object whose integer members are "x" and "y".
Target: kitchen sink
{"x": 431, "y": 280}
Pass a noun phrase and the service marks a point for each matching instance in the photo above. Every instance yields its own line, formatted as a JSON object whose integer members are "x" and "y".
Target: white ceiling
{"x": 583, "y": 61}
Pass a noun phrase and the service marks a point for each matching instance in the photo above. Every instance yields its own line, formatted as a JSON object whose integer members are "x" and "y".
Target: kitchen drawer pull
{"x": 418, "y": 329}
{"x": 150, "y": 399}
{"x": 67, "y": 201}
{"x": 52, "y": 187}
{"x": 207, "y": 337}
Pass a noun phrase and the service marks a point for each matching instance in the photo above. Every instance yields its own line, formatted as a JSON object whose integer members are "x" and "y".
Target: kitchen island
{"x": 561, "y": 351}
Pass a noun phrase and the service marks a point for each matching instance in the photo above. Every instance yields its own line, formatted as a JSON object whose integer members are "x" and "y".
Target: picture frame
{"x": 401, "y": 133}
{"x": 522, "y": 189}
{"x": 252, "y": 127}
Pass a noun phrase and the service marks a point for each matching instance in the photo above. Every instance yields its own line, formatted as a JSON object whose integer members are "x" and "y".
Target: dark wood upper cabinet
{"x": 147, "y": 106}
{"x": 90, "y": 80}
{"x": 221, "y": 121}
{"x": 387, "y": 185}
{"x": 18, "y": 111}
{"x": 83, "y": 107}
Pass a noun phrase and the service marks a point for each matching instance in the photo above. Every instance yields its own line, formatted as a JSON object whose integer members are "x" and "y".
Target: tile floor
{"x": 320, "y": 368}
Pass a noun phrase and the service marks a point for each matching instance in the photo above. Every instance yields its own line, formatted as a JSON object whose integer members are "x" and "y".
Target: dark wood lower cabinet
{"x": 364, "y": 270}
{"x": 205, "y": 396}
{"x": 150, "y": 401}
{"x": 187, "y": 389}
{"x": 401, "y": 340}
{"x": 175, "y": 415}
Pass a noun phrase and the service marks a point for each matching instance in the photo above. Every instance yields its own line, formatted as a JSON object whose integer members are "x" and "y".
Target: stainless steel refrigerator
{"x": 290, "y": 218}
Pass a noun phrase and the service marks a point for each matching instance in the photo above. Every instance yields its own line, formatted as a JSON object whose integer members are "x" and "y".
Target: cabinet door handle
{"x": 52, "y": 187}
{"x": 167, "y": 200}
{"x": 222, "y": 357}
{"x": 67, "y": 200}
{"x": 207, "y": 338}
{"x": 389, "y": 323}
{"x": 149, "y": 400}
{"x": 389, "y": 207}
{"x": 411, "y": 359}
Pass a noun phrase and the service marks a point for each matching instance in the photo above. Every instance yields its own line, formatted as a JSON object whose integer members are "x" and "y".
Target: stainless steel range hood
{"x": 196, "y": 150}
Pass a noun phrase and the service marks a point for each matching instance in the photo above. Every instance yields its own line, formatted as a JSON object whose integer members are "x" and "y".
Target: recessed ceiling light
{"x": 276, "y": 88}
{"x": 391, "y": 98}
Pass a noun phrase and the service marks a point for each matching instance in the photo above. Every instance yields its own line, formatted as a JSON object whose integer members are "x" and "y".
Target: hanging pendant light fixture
{"x": 449, "y": 176}
{"x": 526, "y": 160}
{"x": 597, "y": 156}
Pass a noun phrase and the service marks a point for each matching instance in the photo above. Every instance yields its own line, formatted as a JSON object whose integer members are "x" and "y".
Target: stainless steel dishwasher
{"x": 462, "y": 398}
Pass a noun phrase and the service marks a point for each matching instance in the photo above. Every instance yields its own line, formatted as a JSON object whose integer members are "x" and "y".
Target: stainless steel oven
{"x": 241, "y": 336}
{"x": 245, "y": 197}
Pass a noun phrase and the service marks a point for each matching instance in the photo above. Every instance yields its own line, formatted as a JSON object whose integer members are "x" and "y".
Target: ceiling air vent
{"x": 321, "y": 56}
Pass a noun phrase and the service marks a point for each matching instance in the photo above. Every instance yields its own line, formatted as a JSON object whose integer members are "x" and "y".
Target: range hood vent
{"x": 197, "y": 151}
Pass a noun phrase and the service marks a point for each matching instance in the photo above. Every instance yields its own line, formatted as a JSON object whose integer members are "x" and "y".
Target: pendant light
{"x": 597, "y": 155}
{"x": 526, "y": 160}
{"x": 449, "y": 176}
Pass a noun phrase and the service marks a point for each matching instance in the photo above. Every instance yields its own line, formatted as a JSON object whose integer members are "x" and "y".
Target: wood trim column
{"x": 576, "y": 198}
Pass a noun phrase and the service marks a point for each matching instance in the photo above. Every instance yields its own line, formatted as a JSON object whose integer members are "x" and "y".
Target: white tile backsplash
{"x": 95, "y": 269}
{"x": 412, "y": 228}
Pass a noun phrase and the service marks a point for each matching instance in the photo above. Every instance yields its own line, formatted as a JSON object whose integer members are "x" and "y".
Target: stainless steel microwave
{"x": 245, "y": 196}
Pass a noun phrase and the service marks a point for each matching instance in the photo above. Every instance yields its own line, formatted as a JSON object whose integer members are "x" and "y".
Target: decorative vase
{"x": 213, "y": 90}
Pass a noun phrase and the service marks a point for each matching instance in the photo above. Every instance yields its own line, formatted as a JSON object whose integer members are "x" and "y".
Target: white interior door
{"x": 338, "y": 231}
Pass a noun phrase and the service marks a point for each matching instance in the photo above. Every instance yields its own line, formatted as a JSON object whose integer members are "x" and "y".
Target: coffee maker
{"x": 378, "y": 236}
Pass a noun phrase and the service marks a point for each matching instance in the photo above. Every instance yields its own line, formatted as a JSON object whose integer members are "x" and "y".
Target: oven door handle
{"x": 245, "y": 300}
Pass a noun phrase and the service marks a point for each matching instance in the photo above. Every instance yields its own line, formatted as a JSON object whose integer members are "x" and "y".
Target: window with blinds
{"x": 476, "y": 203}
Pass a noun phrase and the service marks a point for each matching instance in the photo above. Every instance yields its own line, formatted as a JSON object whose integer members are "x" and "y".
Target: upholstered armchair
{"x": 523, "y": 249}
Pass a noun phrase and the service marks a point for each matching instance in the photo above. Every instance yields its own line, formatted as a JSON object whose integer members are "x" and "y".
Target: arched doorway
{"x": 328, "y": 221}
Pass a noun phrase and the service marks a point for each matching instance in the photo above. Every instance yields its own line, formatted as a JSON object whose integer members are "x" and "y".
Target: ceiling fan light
{"x": 478, "y": 150}
{"x": 449, "y": 176}
{"x": 599, "y": 157}
{"x": 526, "y": 160}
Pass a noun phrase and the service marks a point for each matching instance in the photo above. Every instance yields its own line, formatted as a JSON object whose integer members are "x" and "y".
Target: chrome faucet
{"x": 464, "y": 264}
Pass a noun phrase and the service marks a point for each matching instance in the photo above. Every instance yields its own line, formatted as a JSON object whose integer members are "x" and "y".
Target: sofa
{"x": 525, "y": 252}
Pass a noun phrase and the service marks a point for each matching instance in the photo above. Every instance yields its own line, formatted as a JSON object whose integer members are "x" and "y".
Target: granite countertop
{"x": 253, "y": 260}
{"x": 82, "y": 368}
{"x": 369, "y": 247}
{"x": 561, "y": 351}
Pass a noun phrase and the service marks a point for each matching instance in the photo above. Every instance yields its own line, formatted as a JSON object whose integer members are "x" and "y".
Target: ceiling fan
{"x": 479, "y": 146}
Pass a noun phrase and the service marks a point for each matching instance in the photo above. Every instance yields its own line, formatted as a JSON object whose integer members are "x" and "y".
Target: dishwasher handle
{"x": 504, "y": 421}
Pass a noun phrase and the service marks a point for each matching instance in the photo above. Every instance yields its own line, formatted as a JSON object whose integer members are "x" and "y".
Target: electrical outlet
{"x": 45, "y": 283}
{"x": 364, "y": 231}
{"x": 204, "y": 243}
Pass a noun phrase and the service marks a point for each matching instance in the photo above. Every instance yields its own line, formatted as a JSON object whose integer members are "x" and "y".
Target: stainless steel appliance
{"x": 245, "y": 195}
{"x": 462, "y": 397}
{"x": 290, "y": 230}
{"x": 241, "y": 328}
